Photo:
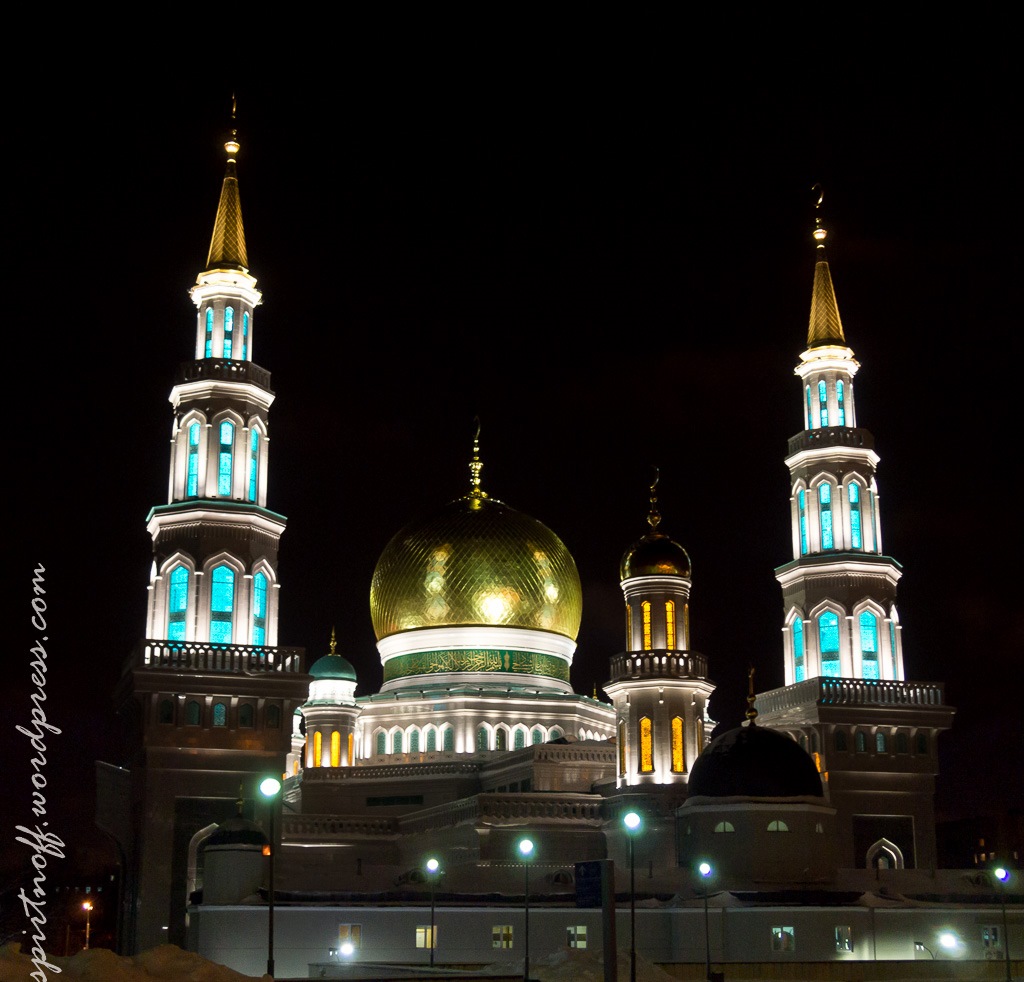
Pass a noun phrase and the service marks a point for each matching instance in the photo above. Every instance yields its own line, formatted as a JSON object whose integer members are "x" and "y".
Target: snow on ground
{"x": 574, "y": 965}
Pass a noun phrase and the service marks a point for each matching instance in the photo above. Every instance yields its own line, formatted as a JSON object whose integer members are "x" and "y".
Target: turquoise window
{"x": 873, "y": 545}
{"x": 828, "y": 642}
{"x": 396, "y": 743}
{"x": 892, "y": 648}
{"x": 227, "y": 443}
{"x": 259, "y": 609}
{"x": 414, "y": 742}
{"x": 538, "y": 736}
{"x": 880, "y": 742}
{"x": 825, "y": 515}
{"x": 823, "y": 403}
{"x": 177, "y": 607}
{"x": 431, "y": 740}
{"x": 192, "y": 481}
{"x": 254, "y": 463}
{"x": 810, "y": 416}
{"x": 382, "y": 743}
{"x": 245, "y": 334}
{"x": 853, "y": 493}
{"x": 449, "y": 739}
{"x": 869, "y": 645}
{"x": 798, "y": 650}
{"x": 840, "y": 407}
{"x": 222, "y": 604}
{"x": 481, "y": 738}
{"x": 192, "y": 714}
{"x": 801, "y": 498}
{"x": 860, "y": 742}
{"x": 520, "y": 739}
{"x": 208, "y": 350}
{"x": 229, "y": 328}
{"x": 220, "y": 714}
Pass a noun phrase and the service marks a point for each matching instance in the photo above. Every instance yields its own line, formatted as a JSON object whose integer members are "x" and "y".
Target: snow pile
{"x": 167, "y": 963}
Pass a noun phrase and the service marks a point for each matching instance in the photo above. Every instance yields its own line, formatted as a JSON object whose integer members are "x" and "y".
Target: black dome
{"x": 754, "y": 762}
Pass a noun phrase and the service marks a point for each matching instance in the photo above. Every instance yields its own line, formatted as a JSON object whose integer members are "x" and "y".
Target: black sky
{"x": 608, "y": 260}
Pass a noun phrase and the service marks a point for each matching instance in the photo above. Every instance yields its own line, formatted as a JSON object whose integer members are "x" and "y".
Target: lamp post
{"x": 87, "y": 907}
{"x": 632, "y": 821}
{"x": 705, "y": 870}
{"x": 1003, "y": 876}
{"x": 526, "y": 851}
{"x": 432, "y": 867}
{"x": 270, "y": 788}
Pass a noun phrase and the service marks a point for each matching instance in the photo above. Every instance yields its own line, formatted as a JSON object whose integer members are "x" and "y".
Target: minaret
{"x": 872, "y": 734}
{"x": 208, "y": 697}
{"x": 659, "y": 687}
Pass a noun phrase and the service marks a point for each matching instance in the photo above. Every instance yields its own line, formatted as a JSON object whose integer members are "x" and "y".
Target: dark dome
{"x": 237, "y": 831}
{"x": 754, "y": 762}
{"x": 654, "y": 555}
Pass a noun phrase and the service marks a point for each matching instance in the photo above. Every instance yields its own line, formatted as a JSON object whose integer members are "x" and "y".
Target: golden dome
{"x": 476, "y": 562}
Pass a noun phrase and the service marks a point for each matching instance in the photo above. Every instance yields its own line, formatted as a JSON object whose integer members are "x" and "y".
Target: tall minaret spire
{"x": 227, "y": 246}
{"x": 825, "y": 326}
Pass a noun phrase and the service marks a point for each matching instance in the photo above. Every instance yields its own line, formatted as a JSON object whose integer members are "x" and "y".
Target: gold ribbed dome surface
{"x": 476, "y": 562}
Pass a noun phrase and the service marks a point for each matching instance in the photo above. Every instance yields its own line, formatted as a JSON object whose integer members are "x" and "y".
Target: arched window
{"x": 245, "y": 334}
{"x": 224, "y": 457}
{"x": 414, "y": 742}
{"x": 482, "y": 743}
{"x": 351, "y": 748}
{"x": 922, "y": 743}
{"x": 629, "y": 628}
{"x": 881, "y": 744}
{"x": 449, "y": 739}
{"x": 678, "y": 748}
{"x": 828, "y": 643}
{"x": 670, "y": 624}
{"x": 537, "y": 736}
{"x": 192, "y": 478}
{"x": 810, "y": 414}
{"x": 222, "y": 604}
{"x": 839, "y": 740}
{"x": 825, "y": 515}
{"x": 500, "y": 740}
{"x": 725, "y": 827}
{"x": 853, "y": 496}
{"x": 902, "y": 744}
{"x": 822, "y": 404}
{"x": 520, "y": 739}
{"x": 840, "y": 404}
{"x": 801, "y": 498}
{"x": 220, "y": 714}
{"x": 868, "y": 645}
{"x": 208, "y": 350}
{"x": 892, "y": 646}
{"x": 245, "y": 715}
{"x": 860, "y": 742}
{"x": 431, "y": 740}
{"x": 646, "y": 745}
{"x": 396, "y": 742}
{"x": 700, "y": 733}
{"x": 229, "y": 327}
{"x": 335, "y": 749}
{"x": 192, "y": 713}
{"x": 382, "y": 743}
{"x": 254, "y": 462}
{"x": 777, "y": 825}
{"x": 622, "y": 748}
{"x": 177, "y": 607}
{"x": 645, "y": 607}
{"x": 259, "y": 609}
{"x": 318, "y": 748}
{"x": 166, "y": 711}
{"x": 273, "y": 717}
{"x": 798, "y": 650}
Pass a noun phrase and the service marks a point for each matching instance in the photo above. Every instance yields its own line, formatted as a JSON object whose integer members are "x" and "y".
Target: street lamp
{"x": 1003, "y": 876}
{"x": 705, "y": 870}
{"x": 632, "y": 822}
{"x": 87, "y": 907}
{"x": 526, "y": 851}
{"x": 270, "y": 788}
{"x": 432, "y": 867}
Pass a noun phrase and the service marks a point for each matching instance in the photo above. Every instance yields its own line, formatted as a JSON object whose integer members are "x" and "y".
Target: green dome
{"x": 333, "y": 667}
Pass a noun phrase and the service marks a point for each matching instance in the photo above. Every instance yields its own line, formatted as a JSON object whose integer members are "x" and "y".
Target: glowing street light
{"x": 270, "y": 788}
{"x": 432, "y": 867}
{"x": 526, "y": 851}
{"x": 632, "y": 821}
{"x": 1003, "y": 876}
{"x": 705, "y": 870}
{"x": 87, "y": 907}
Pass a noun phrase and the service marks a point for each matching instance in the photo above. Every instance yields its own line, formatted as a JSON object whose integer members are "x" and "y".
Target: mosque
{"x": 816, "y": 816}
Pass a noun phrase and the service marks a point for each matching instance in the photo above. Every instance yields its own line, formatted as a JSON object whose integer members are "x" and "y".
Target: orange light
{"x": 266, "y": 850}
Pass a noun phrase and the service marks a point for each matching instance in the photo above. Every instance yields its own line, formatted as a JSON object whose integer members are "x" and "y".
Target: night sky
{"x": 609, "y": 262}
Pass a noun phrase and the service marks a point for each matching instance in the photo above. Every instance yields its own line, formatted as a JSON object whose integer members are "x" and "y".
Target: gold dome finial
{"x": 820, "y": 232}
{"x": 334, "y": 643}
{"x": 232, "y": 146}
{"x": 476, "y": 465}
{"x": 654, "y": 516}
{"x": 751, "y": 711}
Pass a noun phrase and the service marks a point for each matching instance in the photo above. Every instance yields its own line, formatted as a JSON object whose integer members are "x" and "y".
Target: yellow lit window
{"x": 670, "y": 624}
{"x": 351, "y": 748}
{"x": 700, "y": 734}
{"x": 426, "y": 937}
{"x": 318, "y": 747}
{"x": 678, "y": 751}
{"x": 646, "y": 608}
{"x": 335, "y": 749}
{"x": 646, "y": 746}
{"x": 629, "y": 628}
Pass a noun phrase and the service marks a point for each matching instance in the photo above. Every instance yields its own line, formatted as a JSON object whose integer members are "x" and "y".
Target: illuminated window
{"x": 208, "y": 351}
{"x": 892, "y": 647}
{"x": 537, "y": 736}
{"x": 822, "y": 404}
{"x": 783, "y": 939}
{"x": 350, "y": 936}
{"x": 414, "y": 742}
{"x": 382, "y": 742}
{"x": 881, "y": 744}
{"x": 725, "y": 827}
{"x": 318, "y": 748}
{"x": 844, "y": 939}
{"x": 192, "y": 713}
{"x": 220, "y": 714}
{"x": 853, "y": 494}
{"x": 678, "y": 750}
{"x": 449, "y": 739}
{"x": 396, "y": 742}
{"x": 839, "y": 740}
{"x": 273, "y": 717}
{"x": 629, "y": 628}
{"x": 500, "y": 740}
{"x": 825, "y": 514}
{"x": 245, "y": 334}
{"x": 351, "y": 749}
{"x": 224, "y": 458}
{"x": 828, "y": 642}
{"x": 254, "y": 463}
{"x": 335, "y": 749}
{"x": 229, "y": 327}
{"x": 622, "y": 748}
{"x": 860, "y": 742}
{"x": 840, "y": 404}
{"x": 991, "y": 939}
{"x": 520, "y": 739}
{"x": 801, "y": 498}
{"x": 482, "y": 743}
{"x": 645, "y": 608}
{"x": 670, "y": 624}
{"x": 501, "y": 936}
{"x": 192, "y": 482}
{"x": 646, "y": 746}
{"x": 178, "y": 604}
{"x": 798, "y": 650}
{"x": 246, "y": 715}
{"x": 576, "y": 937}
{"x": 777, "y": 825}
{"x": 222, "y": 603}
{"x": 810, "y": 414}
{"x": 166, "y": 711}
{"x": 431, "y": 740}
{"x": 426, "y": 936}
{"x": 259, "y": 609}
{"x": 868, "y": 645}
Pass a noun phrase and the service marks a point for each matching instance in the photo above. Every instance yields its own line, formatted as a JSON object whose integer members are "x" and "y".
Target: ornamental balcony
{"x": 225, "y": 370}
{"x": 204, "y": 658}
{"x": 659, "y": 664}
{"x": 831, "y": 436}
{"x": 850, "y": 692}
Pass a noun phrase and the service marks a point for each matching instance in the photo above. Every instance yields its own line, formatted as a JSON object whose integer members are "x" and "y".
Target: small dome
{"x": 237, "y": 831}
{"x": 654, "y": 555}
{"x": 476, "y": 562}
{"x": 754, "y": 762}
{"x": 333, "y": 667}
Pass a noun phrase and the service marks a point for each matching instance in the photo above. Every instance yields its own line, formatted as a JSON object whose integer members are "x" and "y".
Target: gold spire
{"x": 334, "y": 643}
{"x": 751, "y": 711}
{"x": 476, "y": 465}
{"x": 825, "y": 326}
{"x": 654, "y": 516}
{"x": 227, "y": 247}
